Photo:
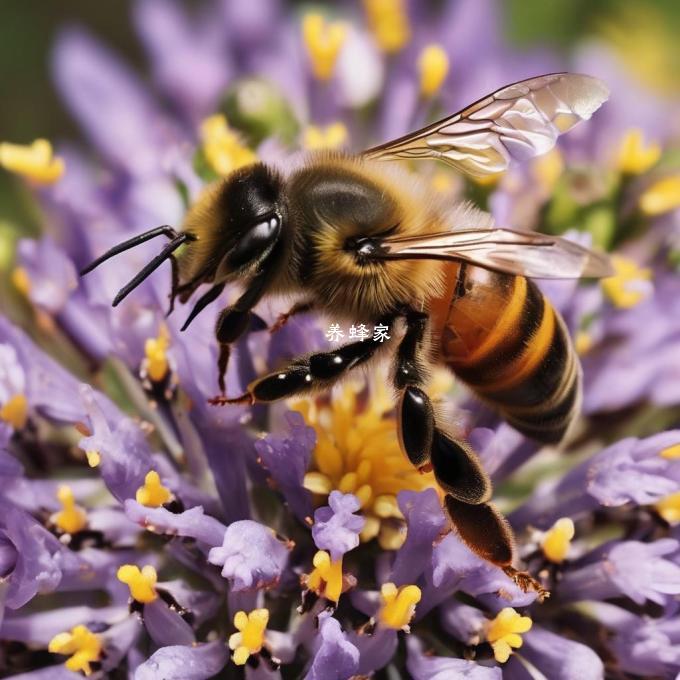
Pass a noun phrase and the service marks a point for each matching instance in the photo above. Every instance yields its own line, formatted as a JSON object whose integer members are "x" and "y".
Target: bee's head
{"x": 238, "y": 223}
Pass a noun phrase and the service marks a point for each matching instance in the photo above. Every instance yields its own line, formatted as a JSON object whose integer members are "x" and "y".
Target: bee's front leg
{"x": 306, "y": 373}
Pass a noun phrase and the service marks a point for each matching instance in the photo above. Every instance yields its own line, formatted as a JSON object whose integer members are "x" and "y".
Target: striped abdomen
{"x": 501, "y": 336}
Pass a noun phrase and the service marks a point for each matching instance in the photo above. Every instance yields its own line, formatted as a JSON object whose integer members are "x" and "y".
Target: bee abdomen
{"x": 515, "y": 353}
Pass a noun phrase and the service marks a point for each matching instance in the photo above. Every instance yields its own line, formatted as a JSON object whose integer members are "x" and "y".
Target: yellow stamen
{"x": 323, "y": 41}
{"x": 152, "y": 494}
{"x": 142, "y": 583}
{"x": 548, "y": 168}
{"x": 662, "y": 197}
{"x": 93, "y": 458}
{"x": 332, "y": 136}
{"x": 21, "y": 281}
{"x": 155, "y": 351}
{"x": 503, "y": 632}
{"x": 389, "y": 23}
{"x": 250, "y": 638}
{"x": 81, "y": 645}
{"x": 222, "y": 147}
{"x": 618, "y": 288}
{"x": 34, "y": 161}
{"x": 433, "y": 67}
{"x": 557, "y": 540}
{"x": 392, "y": 535}
{"x": 669, "y": 508}
{"x": 583, "y": 342}
{"x": 72, "y": 518}
{"x": 15, "y": 411}
{"x": 634, "y": 156}
{"x": 326, "y": 577}
{"x": 398, "y": 605}
{"x": 671, "y": 452}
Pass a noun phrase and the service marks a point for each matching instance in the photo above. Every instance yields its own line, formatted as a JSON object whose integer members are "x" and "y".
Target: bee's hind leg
{"x": 456, "y": 467}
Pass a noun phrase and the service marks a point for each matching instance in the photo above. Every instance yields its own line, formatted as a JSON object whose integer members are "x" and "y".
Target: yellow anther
{"x": 557, "y": 539}
{"x": 398, "y": 605}
{"x": 433, "y": 67}
{"x": 72, "y": 517}
{"x": 504, "y": 632}
{"x": 21, "y": 281}
{"x": 323, "y": 41}
{"x": 93, "y": 458}
{"x": 15, "y": 411}
{"x": 152, "y": 494}
{"x": 316, "y": 482}
{"x": 326, "y": 577}
{"x": 583, "y": 342}
{"x": 634, "y": 156}
{"x": 250, "y": 638}
{"x": 222, "y": 147}
{"x": 623, "y": 289}
{"x": 662, "y": 197}
{"x": 669, "y": 508}
{"x": 156, "y": 355}
{"x": 142, "y": 583}
{"x": 389, "y": 22}
{"x": 34, "y": 161}
{"x": 548, "y": 168}
{"x": 82, "y": 646}
{"x": 332, "y": 136}
{"x": 671, "y": 452}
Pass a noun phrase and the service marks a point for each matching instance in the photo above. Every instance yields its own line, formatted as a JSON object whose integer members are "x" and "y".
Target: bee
{"x": 356, "y": 238}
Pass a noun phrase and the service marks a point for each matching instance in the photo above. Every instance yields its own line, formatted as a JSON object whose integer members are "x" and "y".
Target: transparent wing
{"x": 523, "y": 253}
{"x": 517, "y": 122}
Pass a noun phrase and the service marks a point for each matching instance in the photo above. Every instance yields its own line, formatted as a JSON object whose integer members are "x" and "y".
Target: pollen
{"x": 94, "y": 458}
{"x": 671, "y": 452}
{"x": 141, "y": 582}
{"x": 223, "y": 149}
{"x": 326, "y": 577}
{"x": 72, "y": 518}
{"x": 357, "y": 451}
{"x": 82, "y": 646}
{"x": 669, "y": 508}
{"x": 250, "y": 637}
{"x": 323, "y": 41}
{"x": 557, "y": 540}
{"x": 156, "y": 355}
{"x": 628, "y": 286}
{"x": 21, "y": 281}
{"x": 583, "y": 342}
{"x": 636, "y": 157}
{"x": 504, "y": 631}
{"x": 661, "y": 197}
{"x": 332, "y": 136}
{"x": 433, "y": 67}
{"x": 389, "y": 23}
{"x": 398, "y": 605}
{"x": 34, "y": 161}
{"x": 15, "y": 411}
{"x": 152, "y": 494}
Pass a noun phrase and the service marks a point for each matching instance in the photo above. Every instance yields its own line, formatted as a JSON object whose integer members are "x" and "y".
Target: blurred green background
{"x": 31, "y": 108}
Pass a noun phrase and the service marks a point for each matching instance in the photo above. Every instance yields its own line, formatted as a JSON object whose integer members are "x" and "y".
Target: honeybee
{"x": 358, "y": 239}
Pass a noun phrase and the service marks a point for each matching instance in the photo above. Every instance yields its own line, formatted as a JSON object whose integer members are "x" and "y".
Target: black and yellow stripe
{"x": 517, "y": 354}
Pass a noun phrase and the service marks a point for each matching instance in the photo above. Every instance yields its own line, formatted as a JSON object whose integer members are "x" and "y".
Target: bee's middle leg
{"x": 306, "y": 373}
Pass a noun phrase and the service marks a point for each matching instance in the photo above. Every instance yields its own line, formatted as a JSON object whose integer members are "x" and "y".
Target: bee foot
{"x": 527, "y": 582}
{"x": 279, "y": 323}
{"x": 222, "y": 400}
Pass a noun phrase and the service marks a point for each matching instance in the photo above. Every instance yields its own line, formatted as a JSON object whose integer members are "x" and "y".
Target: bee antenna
{"x": 165, "y": 254}
{"x": 164, "y": 230}
{"x": 202, "y": 303}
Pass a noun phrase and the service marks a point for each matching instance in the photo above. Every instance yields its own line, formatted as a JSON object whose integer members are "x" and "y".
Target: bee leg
{"x": 231, "y": 325}
{"x": 306, "y": 373}
{"x": 456, "y": 467}
{"x": 297, "y": 308}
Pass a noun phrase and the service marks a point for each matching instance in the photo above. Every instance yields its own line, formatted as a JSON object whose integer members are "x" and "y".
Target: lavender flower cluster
{"x": 146, "y": 534}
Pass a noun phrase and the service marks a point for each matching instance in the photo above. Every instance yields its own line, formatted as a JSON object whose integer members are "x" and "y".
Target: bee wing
{"x": 523, "y": 253}
{"x": 519, "y": 121}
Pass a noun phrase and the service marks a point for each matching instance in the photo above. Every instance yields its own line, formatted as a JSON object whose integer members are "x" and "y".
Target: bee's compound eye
{"x": 255, "y": 242}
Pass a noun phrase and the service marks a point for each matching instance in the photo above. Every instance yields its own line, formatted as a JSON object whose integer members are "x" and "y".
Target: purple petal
{"x": 336, "y": 657}
{"x": 165, "y": 626}
{"x": 184, "y": 663}
{"x": 336, "y": 528}
{"x": 422, "y": 667}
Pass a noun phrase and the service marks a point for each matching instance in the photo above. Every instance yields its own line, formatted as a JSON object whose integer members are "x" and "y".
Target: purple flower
{"x": 423, "y": 667}
{"x": 180, "y": 662}
{"x": 336, "y": 528}
{"x": 250, "y": 556}
{"x": 336, "y": 658}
